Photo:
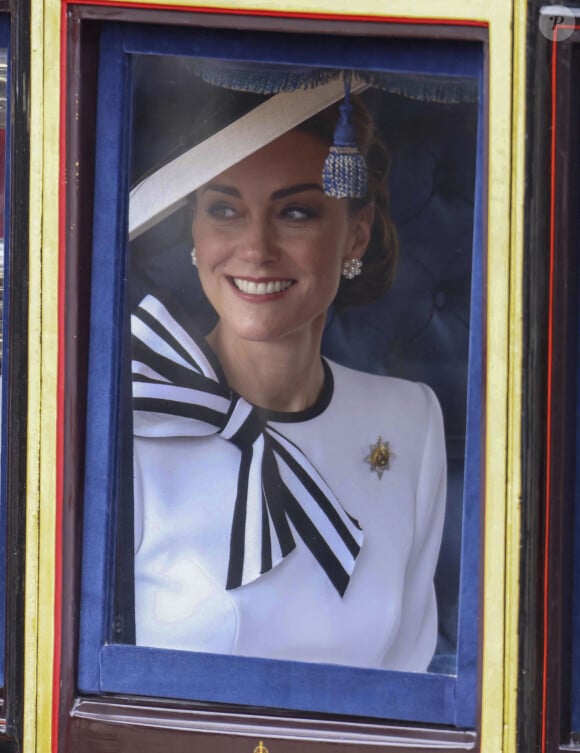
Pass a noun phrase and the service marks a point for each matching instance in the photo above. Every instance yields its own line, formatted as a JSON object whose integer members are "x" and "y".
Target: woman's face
{"x": 270, "y": 244}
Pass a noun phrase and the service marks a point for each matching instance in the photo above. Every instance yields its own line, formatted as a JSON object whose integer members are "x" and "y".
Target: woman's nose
{"x": 258, "y": 243}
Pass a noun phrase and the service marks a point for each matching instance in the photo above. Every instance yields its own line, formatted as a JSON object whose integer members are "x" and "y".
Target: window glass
{"x": 296, "y": 524}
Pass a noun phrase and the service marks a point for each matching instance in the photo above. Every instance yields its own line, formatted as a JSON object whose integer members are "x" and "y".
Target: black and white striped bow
{"x": 278, "y": 488}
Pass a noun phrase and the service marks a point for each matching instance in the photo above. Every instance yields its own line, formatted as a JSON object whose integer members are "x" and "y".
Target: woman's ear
{"x": 362, "y": 228}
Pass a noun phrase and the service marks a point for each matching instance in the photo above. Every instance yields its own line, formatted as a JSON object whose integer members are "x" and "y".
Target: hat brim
{"x": 167, "y": 189}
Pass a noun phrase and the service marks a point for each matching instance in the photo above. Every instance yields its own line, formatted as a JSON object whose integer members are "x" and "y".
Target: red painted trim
{"x": 60, "y": 387}
{"x": 285, "y": 14}
{"x": 551, "y": 294}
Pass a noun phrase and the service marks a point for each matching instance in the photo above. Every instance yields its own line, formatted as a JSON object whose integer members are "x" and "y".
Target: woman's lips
{"x": 261, "y": 287}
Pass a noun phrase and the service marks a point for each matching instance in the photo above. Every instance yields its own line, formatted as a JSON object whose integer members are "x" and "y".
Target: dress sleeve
{"x": 414, "y": 646}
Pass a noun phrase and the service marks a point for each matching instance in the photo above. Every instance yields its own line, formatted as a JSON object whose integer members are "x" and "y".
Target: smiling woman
{"x": 285, "y": 506}
{"x": 270, "y": 248}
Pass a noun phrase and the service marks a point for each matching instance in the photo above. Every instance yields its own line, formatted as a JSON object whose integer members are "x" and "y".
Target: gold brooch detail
{"x": 380, "y": 457}
{"x": 260, "y": 748}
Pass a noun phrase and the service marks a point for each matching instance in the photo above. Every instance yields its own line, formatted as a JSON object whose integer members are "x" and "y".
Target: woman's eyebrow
{"x": 220, "y": 188}
{"x": 283, "y": 192}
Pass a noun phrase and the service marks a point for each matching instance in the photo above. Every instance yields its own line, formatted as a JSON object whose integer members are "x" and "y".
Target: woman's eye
{"x": 221, "y": 211}
{"x": 299, "y": 213}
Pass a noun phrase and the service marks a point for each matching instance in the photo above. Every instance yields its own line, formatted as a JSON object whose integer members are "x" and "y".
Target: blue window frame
{"x": 447, "y": 693}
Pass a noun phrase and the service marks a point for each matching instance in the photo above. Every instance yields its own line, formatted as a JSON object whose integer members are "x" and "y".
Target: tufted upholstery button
{"x": 440, "y": 299}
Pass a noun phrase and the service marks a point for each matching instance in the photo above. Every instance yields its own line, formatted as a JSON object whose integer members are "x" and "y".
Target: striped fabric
{"x": 279, "y": 492}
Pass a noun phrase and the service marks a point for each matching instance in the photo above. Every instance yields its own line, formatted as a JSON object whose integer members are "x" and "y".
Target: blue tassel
{"x": 344, "y": 175}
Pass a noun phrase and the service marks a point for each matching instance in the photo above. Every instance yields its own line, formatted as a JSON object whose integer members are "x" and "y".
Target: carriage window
{"x": 285, "y": 360}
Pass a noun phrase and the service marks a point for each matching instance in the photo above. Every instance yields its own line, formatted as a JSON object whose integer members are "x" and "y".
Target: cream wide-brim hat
{"x": 295, "y": 97}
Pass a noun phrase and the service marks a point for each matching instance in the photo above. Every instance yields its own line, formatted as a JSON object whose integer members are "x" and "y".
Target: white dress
{"x": 185, "y": 488}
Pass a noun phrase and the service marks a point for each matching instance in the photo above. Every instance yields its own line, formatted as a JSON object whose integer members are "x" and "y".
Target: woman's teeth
{"x": 261, "y": 288}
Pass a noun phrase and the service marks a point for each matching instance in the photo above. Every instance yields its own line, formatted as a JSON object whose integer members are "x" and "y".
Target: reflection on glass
{"x": 306, "y": 522}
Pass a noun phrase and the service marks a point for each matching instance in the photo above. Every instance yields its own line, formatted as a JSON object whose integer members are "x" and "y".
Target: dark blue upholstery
{"x": 420, "y": 329}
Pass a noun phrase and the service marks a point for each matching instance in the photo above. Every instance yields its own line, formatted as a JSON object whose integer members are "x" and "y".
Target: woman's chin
{"x": 265, "y": 330}
{"x": 293, "y": 327}
{"x": 258, "y": 333}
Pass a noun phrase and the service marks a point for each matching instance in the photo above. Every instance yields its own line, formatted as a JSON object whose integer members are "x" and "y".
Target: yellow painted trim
{"x": 513, "y": 497}
{"x": 43, "y": 360}
{"x": 34, "y": 386}
{"x": 444, "y": 9}
{"x": 502, "y": 400}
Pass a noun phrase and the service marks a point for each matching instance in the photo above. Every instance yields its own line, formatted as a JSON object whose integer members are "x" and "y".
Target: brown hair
{"x": 380, "y": 258}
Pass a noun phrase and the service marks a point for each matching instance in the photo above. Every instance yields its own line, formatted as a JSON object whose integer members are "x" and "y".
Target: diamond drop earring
{"x": 351, "y": 268}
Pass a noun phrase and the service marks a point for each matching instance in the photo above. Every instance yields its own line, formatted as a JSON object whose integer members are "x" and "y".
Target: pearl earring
{"x": 351, "y": 268}
{"x": 194, "y": 257}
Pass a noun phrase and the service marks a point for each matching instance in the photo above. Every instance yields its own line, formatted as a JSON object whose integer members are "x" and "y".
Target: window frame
{"x": 78, "y": 320}
{"x": 433, "y": 694}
